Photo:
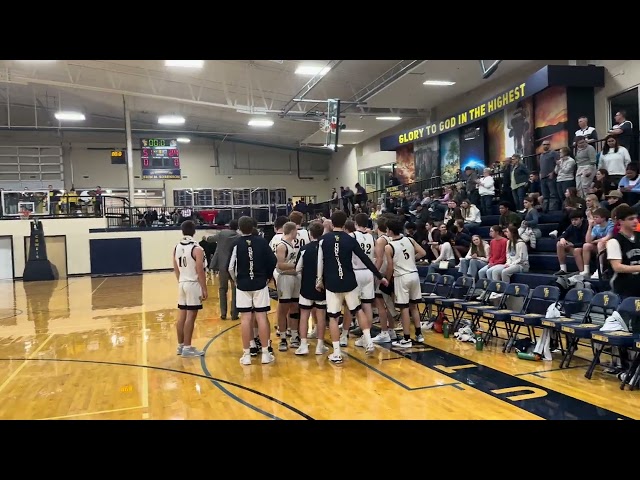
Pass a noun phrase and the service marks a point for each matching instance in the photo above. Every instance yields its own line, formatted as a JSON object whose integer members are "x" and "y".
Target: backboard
{"x": 333, "y": 118}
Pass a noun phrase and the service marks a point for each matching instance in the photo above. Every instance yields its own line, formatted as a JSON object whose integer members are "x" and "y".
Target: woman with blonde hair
{"x": 517, "y": 257}
{"x": 477, "y": 257}
{"x": 592, "y": 205}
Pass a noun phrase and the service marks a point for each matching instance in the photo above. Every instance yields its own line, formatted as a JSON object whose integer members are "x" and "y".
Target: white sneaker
{"x": 360, "y": 342}
{"x": 553, "y": 234}
{"x": 420, "y": 338}
{"x": 268, "y": 357}
{"x": 393, "y": 335}
{"x": 335, "y": 358}
{"x": 313, "y": 333}
{"x": 192, "y": 352}
{"x": 403, "y": 343}
{"x": 369, "y": 348}
{"x": 382, "y": 337}
{"x": 245, "y": 359}
{"x": 179, "y": 349}
{"x": 595, "y": 276}
{"x": 344, "y": 340}
{"x": 303, "y": 350}
{"x": 321, "y": 350}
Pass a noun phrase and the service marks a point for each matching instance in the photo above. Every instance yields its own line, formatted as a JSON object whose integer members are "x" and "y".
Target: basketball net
{"x": 24, "y": 214}
{"x": 327, "y": 126}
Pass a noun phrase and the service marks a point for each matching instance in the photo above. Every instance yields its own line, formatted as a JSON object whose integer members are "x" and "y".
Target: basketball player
{"x": 273, "y": 243}
{"x": 364, "y": 277}
{"x": 188, "y": 265}
{"x": 310, "y": 298}
{"x": 251, "y": 265}
{"x": 336, "y": 275}
{"x": 384, "y": 302}
{"x": 288, "y": 283}
{"x": 402, "y": 253}
{"x": 302, "y": 239}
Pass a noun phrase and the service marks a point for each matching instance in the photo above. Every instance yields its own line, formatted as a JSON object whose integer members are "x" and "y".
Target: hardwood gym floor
{"x": 104, "y": 348}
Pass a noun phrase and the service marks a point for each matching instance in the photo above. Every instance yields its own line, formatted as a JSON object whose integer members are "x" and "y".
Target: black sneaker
{"x": 254, "y": 351}
{"x": 258, "y": 344}
{"x": 560, "y": 273}
{"x": 283, "y": 347}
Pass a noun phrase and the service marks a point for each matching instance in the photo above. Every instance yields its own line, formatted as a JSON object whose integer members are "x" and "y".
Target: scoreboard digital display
{"x": 160, "y": 159}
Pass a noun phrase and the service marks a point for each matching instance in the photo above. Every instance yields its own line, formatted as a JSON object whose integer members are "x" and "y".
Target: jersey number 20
{"x": 298, "y": 243}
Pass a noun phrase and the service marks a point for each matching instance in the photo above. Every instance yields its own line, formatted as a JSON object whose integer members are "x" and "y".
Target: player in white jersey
{"x": 188, "y": 266}
{"x": 273, "y": 243}
{"x": 402, "y": 253}
{"x": 288, "y": 282}
{"x": 302, "y": 239}
{"x": 384, "y": 301}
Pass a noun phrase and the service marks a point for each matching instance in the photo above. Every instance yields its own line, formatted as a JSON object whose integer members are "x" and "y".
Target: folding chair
{"x": 534, "y": 311}
{"x": 604, "y": 303}
{"x": 502, "y": 314}
{"x": 632, "y": 376}
{"x": 620, "y": 339}
{"x": 575, "y": 301}
{"x": 429, "y": 284}
{"x": 475, "y": 310}
{"x": 462, "y": 290}
{"x": 442, "y": 289}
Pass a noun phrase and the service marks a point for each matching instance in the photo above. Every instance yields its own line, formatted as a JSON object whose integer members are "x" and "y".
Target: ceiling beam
{"x": 310, "y": 85}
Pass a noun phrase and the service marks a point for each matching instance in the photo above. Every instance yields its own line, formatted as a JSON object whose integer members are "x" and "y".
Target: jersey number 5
{"x": 406, "y": 254}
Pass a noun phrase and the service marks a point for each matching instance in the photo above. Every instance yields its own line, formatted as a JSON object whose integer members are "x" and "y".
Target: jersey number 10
{"x": 182, "y": 262}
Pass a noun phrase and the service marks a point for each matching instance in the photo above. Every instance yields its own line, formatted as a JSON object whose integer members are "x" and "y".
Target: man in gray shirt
{"x": 226, "y": 239}
{"x": 547, "y": 177}
{"x": 586, "y": 162}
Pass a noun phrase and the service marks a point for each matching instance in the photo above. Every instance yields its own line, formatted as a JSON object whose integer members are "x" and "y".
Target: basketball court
{"x": 104, "y": 348}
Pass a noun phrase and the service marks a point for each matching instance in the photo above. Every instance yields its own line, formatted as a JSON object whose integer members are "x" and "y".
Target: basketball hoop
{"x": 24, "y": 214}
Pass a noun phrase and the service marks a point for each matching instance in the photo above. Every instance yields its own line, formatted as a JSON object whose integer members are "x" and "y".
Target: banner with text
{"x": 534, "y": 84}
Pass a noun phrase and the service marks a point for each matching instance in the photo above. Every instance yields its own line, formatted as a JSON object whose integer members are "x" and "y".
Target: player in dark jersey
{"x": 311, "y": 300}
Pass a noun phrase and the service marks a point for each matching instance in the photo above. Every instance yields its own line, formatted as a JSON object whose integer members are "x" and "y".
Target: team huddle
{"x": 316, "y": 271}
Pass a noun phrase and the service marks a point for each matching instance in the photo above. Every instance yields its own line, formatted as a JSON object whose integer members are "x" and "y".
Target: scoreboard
{"x": 160, "y": 159}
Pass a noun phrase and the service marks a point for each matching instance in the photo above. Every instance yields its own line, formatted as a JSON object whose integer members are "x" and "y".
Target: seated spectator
{"x": 534, "y": 183}
{"x": 630, "y": 185}
{"x": 570, "y": 205}
{"x": 410, "y": 229}
{"x": 592, "y": 205}
{"x": 614, "y": 199}
{"x": 571, "y": 193}
{"x": 460, "y": 240}
{"x": 517, "y": 257}
{"x": 537, "y": 201}
{"x": 529, "y": 231}
{"x": 600, "y": 230}
{"x": 602, "y": 184}
{"x": 470, "y": 214}
{"x": 453, "y": 213}
{"x": 435, "y": 247}
{"x": 477, "y": 257}
{"x": 507, "y": 217}
{"x": 497, "y": 252}
{"x": 572, "y": 241}
{"x": 446, "y": 254}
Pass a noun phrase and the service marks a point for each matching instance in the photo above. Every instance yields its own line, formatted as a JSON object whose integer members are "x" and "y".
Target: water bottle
{"x": 445, "y": 329}
{"x": 479, "y": 342}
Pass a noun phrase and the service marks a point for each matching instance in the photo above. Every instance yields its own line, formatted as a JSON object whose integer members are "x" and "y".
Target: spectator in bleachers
{"x": 453, "y": 213}
{"x": 571, "y": 193}
{"x": 517, "y": 257}
{"x": 602, "y": 184}
{"x": 537, "y": 201}
{"x": 570, "y": 205}
{"x": 470, "y": 214}
{"x": 461, "y": 239}
{"x": 586, "y": 165}
{"x": 471, "y": 185}
{"x": 477, "y": 257}
{"x": 614, "y": 158}
{"x": 614, "y": 199}
{"x": 446, "y": 254}
{"x": 435, "y": 247}
{"x": 548, "y": 186}
{"x": 630, "y": 185}
{"x": 534, "y": 183}
{"x": 622, "y": 131}
{"x": 433, "y": 240}
{"x": 585, "y": 131}
{"x": 529, "y": 230}
{"x": 486, "y": 189}
{"x": 572, "y": 241}
{"x": 519, "y": 179}
{"x": 623, "y": 254}
{"x": 507, "y": 217}
{"x": 497, "y": 252}
{"x": 600, "y": 230}
{"x": 614, "y": 217}
{"x": 592, "y": 205}
{"x": 565, "y": 171}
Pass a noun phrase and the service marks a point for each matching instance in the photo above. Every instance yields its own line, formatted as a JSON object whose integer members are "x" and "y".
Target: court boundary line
{"x": 551, "y": 370}
{"x": 166, "y": 369}
{"x": 73, "y": 415}
{"x": 398, "y": 382}
{"x": 23, "y": 364}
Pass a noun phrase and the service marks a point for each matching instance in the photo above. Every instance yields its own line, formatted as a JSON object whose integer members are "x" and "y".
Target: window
{"x": 241, "y": 196}
{"x": 278, "y": 196}
{"x": 31, "y": 167}
{"x": 222, "y": 197}
{"x": 260, "y": 196}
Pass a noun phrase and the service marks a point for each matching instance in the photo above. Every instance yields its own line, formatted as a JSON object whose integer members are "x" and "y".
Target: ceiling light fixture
{"x": 260, "y": 123}
{"x": 351, "y": 131}
{"x": 171, "y": 120}
{"x": 439, "y": 83}
{"x": 391, "y": 119}
{"x": 184, "y": 63}
{"x": 183, "y": 140}
{"x": 312, "y": 70}
{"x": 71, "y": 116}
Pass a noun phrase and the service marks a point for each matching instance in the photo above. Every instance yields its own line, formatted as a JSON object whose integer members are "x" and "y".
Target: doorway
{"x": 627, "y": 101}
{"x": 56, "y": 253}
{"x": 6, "y": 258}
